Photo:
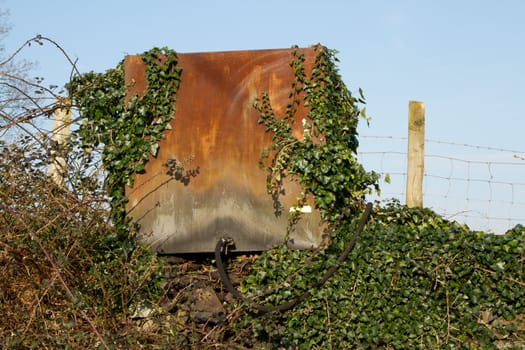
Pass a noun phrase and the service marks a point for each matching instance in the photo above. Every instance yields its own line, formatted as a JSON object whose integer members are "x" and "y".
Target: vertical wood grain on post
{"x": 416, "y": 154}
{"x": 61, "y": 128}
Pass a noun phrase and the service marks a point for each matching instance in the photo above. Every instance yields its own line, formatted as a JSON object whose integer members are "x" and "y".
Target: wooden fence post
{"x": 61, "y": 129}
{"x": 416, "y": 154}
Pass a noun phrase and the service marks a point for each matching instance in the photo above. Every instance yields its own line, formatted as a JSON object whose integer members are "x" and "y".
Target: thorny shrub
{"x": 61, "y": 282}
{"x": 65, "y": 282}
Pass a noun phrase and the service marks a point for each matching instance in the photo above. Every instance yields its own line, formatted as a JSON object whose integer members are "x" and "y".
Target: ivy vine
{"x": 324, "y": 160}
{"x": 414, "y": 281}
{"x": 129, "y": 133}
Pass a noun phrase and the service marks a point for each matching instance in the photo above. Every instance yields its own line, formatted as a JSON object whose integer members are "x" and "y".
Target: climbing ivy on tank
{"x": 324, "y": 159}
{"x": 128, "y": 133}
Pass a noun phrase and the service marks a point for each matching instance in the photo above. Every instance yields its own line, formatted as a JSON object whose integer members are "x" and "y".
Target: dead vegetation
{"x": 66, "y": 282}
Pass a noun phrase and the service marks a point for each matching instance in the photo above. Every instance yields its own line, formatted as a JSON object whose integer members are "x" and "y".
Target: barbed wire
{"x": 480, "y": 190}
{"x": 402, "y": 138}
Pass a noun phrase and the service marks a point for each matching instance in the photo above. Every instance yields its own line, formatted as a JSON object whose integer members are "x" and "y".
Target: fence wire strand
{"x": 480, "y": 186}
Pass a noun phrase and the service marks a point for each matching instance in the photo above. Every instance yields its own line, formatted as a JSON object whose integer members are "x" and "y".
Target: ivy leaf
{"x": 154, "y": 148}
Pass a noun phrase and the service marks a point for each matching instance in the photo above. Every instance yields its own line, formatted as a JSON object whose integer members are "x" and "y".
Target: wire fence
{"x": 483, "y": 187}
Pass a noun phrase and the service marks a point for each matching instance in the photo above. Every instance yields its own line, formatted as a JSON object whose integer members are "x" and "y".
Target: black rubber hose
{"x": 223, "y": 243}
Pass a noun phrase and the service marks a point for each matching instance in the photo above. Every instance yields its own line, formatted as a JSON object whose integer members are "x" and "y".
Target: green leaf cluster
{"x": 127, "y": 132}
{"x": 413, "y": 281}
{"x": 323, "y": 160}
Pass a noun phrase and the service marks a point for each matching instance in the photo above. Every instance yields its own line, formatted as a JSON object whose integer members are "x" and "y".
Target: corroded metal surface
{"x": 205, "y": 182}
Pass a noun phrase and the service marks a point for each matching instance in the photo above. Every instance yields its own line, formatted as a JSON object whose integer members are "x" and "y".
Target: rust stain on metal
{"x": 215, "y": 187}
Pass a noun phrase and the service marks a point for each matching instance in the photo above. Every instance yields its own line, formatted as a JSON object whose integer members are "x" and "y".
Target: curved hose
{"x": 224, "y": 243}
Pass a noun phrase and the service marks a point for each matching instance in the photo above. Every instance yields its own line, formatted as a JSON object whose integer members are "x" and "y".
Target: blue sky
{"x": 464, "y": 58}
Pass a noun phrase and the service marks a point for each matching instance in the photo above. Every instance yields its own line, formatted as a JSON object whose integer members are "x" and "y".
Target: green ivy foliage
{"x": 324, "y": 160}
{"x": 129, "y": 134}
{"x": 413, "y": 281}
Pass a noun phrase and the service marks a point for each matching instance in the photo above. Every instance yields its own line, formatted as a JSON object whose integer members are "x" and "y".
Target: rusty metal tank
{"x": 205, "y": 181}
